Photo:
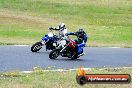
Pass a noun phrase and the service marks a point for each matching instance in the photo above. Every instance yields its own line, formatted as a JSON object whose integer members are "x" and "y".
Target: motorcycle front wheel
{"x": 36, "y": 47}
{"x": 54, "y": 54}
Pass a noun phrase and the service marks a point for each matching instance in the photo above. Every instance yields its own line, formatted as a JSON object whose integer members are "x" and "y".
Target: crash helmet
{"x": 80, "y": 33}
{"x": 62, "y": 26}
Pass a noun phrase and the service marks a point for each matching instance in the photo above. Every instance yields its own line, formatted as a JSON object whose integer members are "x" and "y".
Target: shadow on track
{"x": 41, "y": 52}
{"x": 66, "y": 59}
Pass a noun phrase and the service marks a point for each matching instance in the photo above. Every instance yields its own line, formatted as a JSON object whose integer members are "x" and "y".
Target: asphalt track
{"x": 20, "y": 58}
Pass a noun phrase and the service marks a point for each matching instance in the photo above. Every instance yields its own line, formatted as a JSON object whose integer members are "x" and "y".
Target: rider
{"x": 81, "y": 40}
{"x": 61, "y": 28}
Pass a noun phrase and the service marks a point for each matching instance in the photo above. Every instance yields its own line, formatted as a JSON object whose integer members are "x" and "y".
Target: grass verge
{"x": 108, "y": 22}
{"x": 60, "y": 79}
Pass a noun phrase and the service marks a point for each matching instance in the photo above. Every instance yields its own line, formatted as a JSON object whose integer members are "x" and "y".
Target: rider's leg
{"x": 80, "y": 49}
{"x": 77, "y": 42}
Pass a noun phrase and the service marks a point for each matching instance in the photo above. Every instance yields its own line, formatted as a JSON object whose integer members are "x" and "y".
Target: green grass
{"x": 63, "y": 79}
{"x": 108, "y": 22}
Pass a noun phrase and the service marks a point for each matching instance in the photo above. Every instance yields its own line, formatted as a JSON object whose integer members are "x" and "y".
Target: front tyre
{"x": 36, "y": 47}
{"x": 54, "y": 54}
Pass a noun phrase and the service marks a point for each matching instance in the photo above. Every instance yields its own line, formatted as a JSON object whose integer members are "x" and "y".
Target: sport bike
{"x": 49, "y": 40}
{"x": 66, "y": 48}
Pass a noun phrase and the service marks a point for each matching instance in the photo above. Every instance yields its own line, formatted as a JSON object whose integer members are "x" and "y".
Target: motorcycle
{"x": 66, "y": 48}
{"x": 49, "y": 40}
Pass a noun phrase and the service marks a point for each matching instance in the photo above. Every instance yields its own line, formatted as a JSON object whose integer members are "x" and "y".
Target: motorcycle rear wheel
{"x": 74, "y": 57}
{"x": 54, "y": 54}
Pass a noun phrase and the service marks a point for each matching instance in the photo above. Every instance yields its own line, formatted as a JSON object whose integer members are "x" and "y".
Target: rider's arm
{"x": 54, "y": 28}
{"x": 71, "y": 33}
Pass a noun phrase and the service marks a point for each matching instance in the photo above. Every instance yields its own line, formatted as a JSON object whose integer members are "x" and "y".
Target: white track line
{"x": 20, "y": 45}
{"x": 56, "y": 70}
{"x": 64, "y": 70}
{"x": 113, "y": 47}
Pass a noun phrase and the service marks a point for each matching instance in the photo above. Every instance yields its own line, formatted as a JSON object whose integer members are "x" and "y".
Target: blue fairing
{"x": 51, "y": 39}
{"x": 45, "y": 38}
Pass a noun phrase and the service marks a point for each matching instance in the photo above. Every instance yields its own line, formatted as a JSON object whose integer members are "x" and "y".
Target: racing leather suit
{"x": 81, "y": 42}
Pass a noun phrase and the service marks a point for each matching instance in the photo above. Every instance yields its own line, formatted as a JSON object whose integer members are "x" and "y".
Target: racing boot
{"x": 81, "y": 54}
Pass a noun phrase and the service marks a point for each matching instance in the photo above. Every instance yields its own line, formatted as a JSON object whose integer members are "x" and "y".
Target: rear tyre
{"x": 54, "y": 54}
{"x": 36, "y": 47}
{"x": 74, "y": 56}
